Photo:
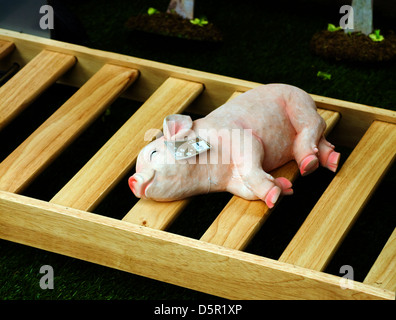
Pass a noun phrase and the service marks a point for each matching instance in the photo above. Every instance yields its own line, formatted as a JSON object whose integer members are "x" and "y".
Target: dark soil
{"x": 356, "y": 47}
{"x": 173, "y": 25}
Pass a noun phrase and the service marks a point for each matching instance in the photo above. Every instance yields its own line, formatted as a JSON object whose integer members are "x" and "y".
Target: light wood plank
{"x": 218, "y": 88}
{"x": 18, "y": 92}
{"x": 239, "y": 221}
{"x": 158, "y": 215}
{"x": 87, "y": 188}
{"x": 6, "y": 48}
{"x": 335, "y": 212}
{"x": 154, "y": 214}
{"x": 383, "y": 273}
{"x": 356, "y": 118}
{"x": 165, "y": 256}
{"x": 55, "y": 134}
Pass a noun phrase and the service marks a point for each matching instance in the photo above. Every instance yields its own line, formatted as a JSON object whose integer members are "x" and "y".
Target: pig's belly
{"x": 278, "y": 145}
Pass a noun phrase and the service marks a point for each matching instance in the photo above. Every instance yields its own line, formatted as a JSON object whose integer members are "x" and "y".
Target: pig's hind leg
{"x": 305, "y": 146}
{"x": 310, "y": 147}
{"x": 311, "y": 155}
{"x": 327, "y": 156}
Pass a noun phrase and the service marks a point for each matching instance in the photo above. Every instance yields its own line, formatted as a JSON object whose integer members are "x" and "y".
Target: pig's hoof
{"x": 286, "y": 185}
{"x": 332, "y": 161}
{"x": 272, "y": 197}
{"x": 308, "y": 165}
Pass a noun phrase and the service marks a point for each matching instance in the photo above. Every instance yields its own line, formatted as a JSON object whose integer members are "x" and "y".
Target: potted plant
{"x": 359, "y": 43}
{"x": 177, "y": 21}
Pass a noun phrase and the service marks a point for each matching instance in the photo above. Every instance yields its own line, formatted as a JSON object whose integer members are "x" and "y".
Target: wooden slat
{"x": 356, "y": 118}
{"x": 335, "y": 212}
{"x": 55, "y": 134}
{"x": 165, "y": 256}
{"x": 239, "y": 221}
{"x": 30, "y": 82}
{"x": 6, "y": 48}
{"x": 383, "y": 273}
{"x": 155, "y": 214}
{"x": 85, "y": 190}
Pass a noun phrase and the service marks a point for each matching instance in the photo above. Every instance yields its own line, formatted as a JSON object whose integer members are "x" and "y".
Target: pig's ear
{"x": 177, "y": 126}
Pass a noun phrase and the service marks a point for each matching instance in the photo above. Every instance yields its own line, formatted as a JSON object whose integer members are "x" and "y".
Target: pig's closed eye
{"x": 151, "y": 154}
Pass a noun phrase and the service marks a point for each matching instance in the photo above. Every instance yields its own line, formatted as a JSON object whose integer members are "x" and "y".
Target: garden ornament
{"x": 234, "y": 147}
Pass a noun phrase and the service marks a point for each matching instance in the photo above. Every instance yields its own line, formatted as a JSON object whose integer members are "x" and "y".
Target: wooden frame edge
{"x": 165, "y": 256}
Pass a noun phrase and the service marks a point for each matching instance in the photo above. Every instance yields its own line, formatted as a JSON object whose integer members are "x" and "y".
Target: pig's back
{"x": 263, "y": 110}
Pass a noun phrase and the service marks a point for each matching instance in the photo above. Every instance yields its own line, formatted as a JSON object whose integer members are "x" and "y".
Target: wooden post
{"x": 363, "y": 16}
{"x": 184, "y": 8}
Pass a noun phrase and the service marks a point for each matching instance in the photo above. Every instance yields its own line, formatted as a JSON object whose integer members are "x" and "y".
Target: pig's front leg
{"x": 243, "y": 188}
{"x": 266, "y": 187}
{"x": 252, "y": 183}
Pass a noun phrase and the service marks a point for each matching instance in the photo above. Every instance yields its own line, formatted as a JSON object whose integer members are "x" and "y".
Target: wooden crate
{"x": 215, "y": 264}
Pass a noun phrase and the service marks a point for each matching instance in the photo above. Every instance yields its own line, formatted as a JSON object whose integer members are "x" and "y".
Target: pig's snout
{"x": 132, "y": 182}
{"x": 139, "y": 182}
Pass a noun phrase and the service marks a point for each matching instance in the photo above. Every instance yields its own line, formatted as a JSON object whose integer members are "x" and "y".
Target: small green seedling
{"x": 200, "y": 22}
{"x": 376, "y": 36}
{"x": 152, "y": 11}
{"x": 331, "y": 27}
{"x": 323, "y": 75}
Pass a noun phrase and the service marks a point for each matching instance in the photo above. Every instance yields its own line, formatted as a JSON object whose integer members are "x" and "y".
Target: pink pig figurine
{"x": 248, "y": 136}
